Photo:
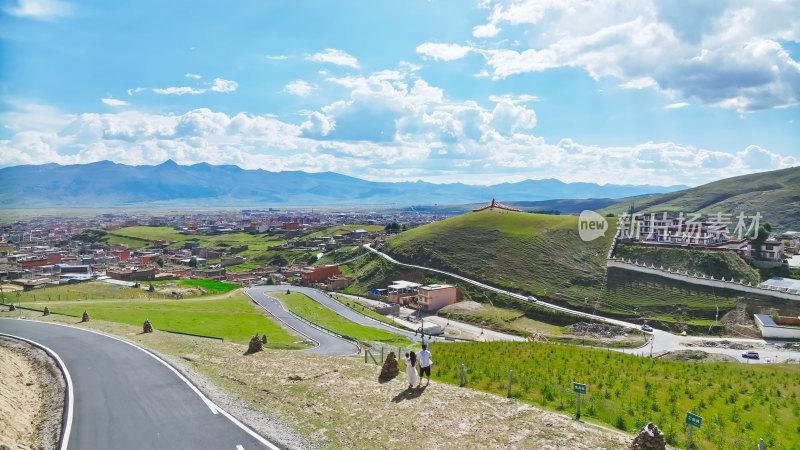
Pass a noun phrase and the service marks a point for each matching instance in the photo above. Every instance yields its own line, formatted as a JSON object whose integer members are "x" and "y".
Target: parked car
{"x": 647, "y": 328}
{"x": 750, "y": 355}
{"x": 532, "y": 299}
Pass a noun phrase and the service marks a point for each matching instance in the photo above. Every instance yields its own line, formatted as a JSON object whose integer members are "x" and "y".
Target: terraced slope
{"x": 775, "y": 194}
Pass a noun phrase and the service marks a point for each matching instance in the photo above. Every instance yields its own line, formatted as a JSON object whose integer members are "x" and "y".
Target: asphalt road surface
{"x": 336, "y": 306}
{"x": 125, "y": 398}
{"x": 328, "y": 344}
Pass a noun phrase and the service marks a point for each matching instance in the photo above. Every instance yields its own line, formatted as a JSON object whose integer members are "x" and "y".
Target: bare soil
{"x": 31, "y": 397}
{"x": 302, "y": 400}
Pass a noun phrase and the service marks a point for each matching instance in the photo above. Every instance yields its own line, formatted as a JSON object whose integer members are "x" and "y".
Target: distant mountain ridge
{"x": 106, "y": 183}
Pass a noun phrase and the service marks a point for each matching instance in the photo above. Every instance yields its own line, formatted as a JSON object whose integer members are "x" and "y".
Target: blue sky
{"x": 666, "y": 92}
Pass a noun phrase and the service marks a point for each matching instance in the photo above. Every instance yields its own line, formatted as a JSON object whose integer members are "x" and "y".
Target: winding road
{"x": 124, "y": 397}
{"x": 329, "y": 344}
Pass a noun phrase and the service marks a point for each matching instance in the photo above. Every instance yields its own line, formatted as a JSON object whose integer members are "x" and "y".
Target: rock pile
{"x": 46, "y": 311}
{"x": 596, "y": 330}
{"x": 85, "y": 317}
{"x": 390, "y": 367}
{"x": 264, "y": 339}
{"x": 148, "y": 327}
{"x": 649, "y": 438}
{"x": 255, "y": 345}
{"x": 11, "y": 307}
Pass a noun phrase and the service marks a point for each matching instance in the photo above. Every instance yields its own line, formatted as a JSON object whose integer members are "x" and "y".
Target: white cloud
{"x": 114, "y": 102}
{"x": 300, "y": 88}
{"x": 136, "y": 90}
{"x": 677, "y": 105}
{"x": 276, "y": 57}
{"x": 39, "y": 9}
{"x": 193, "y": 75}
{"x": 640, "y": 83}
{"x": 179, "y": 90}
{"x": 335, "y": 56}
{"x": 392, "y": 125}
{"x": 725, "y": 54}
{"x": 489, "y": 30}
{"x": 221, "y": 85}
{"x": 444, "y": 52}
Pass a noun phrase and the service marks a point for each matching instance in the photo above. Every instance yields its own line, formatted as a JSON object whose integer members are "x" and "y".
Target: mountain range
{"x": 106, "y": 184}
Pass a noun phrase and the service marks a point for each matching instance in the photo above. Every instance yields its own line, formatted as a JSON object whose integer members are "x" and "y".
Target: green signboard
{"x": 693, "y": 419}
{"x": 579, "y": 388}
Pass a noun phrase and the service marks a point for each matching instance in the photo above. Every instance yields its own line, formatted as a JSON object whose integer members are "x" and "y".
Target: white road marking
{"x": 68, "y": 379}
{"x": 239, "y": 447}
{"x": 214, "y": 408}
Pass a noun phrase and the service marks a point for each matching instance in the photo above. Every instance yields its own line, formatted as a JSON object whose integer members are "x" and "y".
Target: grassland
{"x": 320, "y": 315}
{"x": 231, "y": 316}
{"x": 739, "y": 403}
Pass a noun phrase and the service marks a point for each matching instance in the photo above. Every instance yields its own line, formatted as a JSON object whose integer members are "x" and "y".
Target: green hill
{"x": 519, "y": 251}
{"x": 775, "y": 194}
{"x": 544, "y": 256}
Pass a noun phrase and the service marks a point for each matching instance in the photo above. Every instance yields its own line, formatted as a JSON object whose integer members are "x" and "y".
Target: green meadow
{"x": 739, "y": 403}
{"x": 312, "y": 311}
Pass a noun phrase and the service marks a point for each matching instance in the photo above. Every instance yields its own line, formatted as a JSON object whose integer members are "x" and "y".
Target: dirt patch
{"x": 720, "y": 344}
{"x": 602, "y": 330}
{"x": 465, "y": 307}
{"x": 698, "y": 356}
{"x": 739, "y": 323}
{"x": 31, "y": 397}
{"x": 304, "y": 400}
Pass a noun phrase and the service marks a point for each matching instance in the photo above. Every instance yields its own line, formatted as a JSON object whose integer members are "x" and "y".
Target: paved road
{"x": 662, "y": 340}
{"x": 124, "y": 398}
{"x": 328, "y": 344}
{"x": 338, "y": 308}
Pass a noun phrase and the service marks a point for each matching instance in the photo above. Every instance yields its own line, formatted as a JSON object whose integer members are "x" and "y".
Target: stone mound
{"x": 649, "y": 438}
{"x": 390, "y": 367}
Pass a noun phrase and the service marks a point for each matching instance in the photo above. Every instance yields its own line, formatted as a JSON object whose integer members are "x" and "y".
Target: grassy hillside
{"x": 739, "y": 403}
{"x": 543, "y": 255}
{"x": 519, "y": 251}
{"x": 775, "y": 194}
{"x": 717, "y": 264}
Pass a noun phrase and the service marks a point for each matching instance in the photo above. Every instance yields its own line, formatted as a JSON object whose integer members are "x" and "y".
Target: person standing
{"x": 411, "y": 369}
{"x": 425, "y": 362}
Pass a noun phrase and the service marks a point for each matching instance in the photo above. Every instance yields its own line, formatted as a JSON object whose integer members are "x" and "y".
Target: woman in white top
{"x": 411, "y": 369}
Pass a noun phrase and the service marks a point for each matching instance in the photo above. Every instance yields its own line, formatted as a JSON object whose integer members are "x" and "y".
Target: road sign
{"x": 693, "y": 419}
{"x": 579, "y": 388}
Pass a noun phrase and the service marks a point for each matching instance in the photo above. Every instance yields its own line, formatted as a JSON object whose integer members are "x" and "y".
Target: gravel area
{"x": 50, "y": 388}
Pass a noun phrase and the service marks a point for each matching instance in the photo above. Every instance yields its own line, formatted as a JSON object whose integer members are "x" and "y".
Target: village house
{"x": 311, "y": 275}
{"x": 402, "y": 292}
{"x": 434, "y": 297}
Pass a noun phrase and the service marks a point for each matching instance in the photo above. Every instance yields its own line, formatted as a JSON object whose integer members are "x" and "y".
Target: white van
{"x": 431, "y": 329}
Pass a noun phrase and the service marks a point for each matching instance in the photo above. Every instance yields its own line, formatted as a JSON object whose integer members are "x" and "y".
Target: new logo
{"x": 591, "y": 225}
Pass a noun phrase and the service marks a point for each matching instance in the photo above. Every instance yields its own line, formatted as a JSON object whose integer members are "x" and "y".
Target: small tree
{"x": 270, "y": 280}
{"x": 160, "y": 262}
{"x": 775, "y": 316}
{"x": 193, "y": 262}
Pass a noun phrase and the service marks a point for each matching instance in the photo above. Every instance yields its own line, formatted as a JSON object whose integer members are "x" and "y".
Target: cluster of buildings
{"x": 54, "y": 250}
{"x": 428, "y": 298}
{"x": 713, "y": 233}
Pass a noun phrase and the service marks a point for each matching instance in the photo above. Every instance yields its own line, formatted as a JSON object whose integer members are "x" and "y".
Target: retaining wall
{"x": 786, "y": 294}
